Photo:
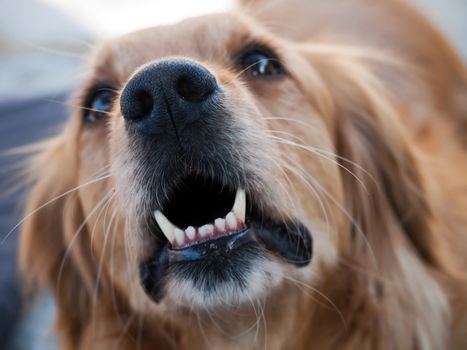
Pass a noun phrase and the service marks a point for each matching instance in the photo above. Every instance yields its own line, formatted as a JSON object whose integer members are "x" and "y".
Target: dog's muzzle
{"x": 208, "y": 222}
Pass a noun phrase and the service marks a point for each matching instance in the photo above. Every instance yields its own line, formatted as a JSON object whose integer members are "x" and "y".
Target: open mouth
{"x": 202, "y": 211}
{"x": 205, "y": 218}
{"x": 216, "y": 233}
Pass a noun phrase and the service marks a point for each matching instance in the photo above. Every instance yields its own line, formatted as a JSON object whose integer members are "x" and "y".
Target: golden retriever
{"x": 288, "y": 176}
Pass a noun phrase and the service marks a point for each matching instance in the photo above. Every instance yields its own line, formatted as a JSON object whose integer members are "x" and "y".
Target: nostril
{"x": 163, "y": 91}
{"x": 194, "y": 90}
{"x": 145, "y": 102}
{"x": 141, "y": 106}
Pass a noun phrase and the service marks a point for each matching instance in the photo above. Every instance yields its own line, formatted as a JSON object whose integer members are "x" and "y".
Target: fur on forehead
{"x": 228, "y": 33}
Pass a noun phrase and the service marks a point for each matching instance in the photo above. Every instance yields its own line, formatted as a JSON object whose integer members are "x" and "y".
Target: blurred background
{"x": 43, "y": 43}
{"x": 43, "y": 50}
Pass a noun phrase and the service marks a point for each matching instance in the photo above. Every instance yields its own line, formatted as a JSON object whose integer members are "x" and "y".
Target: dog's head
{"x": 212, "y": 165}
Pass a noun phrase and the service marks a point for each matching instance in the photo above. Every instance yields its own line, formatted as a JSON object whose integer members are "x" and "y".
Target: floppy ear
{"x": 390, "y": 248}
{"x": 383, "y": 183}
{"x": 45, "y": 259}
{"x": 383, "y": 178}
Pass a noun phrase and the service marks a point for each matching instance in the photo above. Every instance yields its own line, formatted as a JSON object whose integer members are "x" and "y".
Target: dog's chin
{"x": 228, "y": 262}
{"x": 238, "y": 278}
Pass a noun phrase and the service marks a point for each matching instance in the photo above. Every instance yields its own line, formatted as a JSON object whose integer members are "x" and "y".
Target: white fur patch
{"x": 265, "y": 274}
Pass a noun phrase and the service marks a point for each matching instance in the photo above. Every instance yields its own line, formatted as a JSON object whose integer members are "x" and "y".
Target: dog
{"x": 289, "y": 175}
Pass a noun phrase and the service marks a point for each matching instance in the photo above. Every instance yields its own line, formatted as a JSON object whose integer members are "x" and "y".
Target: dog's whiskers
{"x": 301, "y": 143}
{"x": 112, "y": 272}
{"x": 124, "y": 331}
{"x": 284, "y": 167}
{"x": 104, "y": 210}
{"x": 302, "y": 284}
{"x": 78, "y": 107}
{"x": 315, "y": 152}
{"x": 100, "y": 203}
{"x": 51, "y": 201}
{"x": 302, "y": 175}
{"x": 104, "y": 246}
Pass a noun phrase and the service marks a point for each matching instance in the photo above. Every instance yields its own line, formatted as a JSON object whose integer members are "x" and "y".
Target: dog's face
{"x": 212, "y": 165}
{"x": 219, "y": 166}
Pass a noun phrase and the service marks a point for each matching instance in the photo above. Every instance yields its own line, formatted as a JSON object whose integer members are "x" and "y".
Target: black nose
{"x": 167, "y": 96}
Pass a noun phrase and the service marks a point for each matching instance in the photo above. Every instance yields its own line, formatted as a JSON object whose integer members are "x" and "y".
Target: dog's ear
{"x": 390, "y": 247}
{"x": 49, "y": 252}
{"x": 384, "y": 183}
{"x": 384, "y": 186}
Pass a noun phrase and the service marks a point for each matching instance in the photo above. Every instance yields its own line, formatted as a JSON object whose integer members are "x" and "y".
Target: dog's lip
{"x": 154, "y": 272}
{"x": 229, "y": 240}
{"x": 212, "y": 247}
{"x": 290, "y": 241}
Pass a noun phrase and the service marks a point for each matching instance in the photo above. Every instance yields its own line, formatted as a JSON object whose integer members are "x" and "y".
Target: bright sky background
{"x": 110, "y": 17}
{"x": 44, "y": 43}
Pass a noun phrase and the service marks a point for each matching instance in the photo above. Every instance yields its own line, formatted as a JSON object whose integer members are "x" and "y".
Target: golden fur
{"x": 365, "y": 139}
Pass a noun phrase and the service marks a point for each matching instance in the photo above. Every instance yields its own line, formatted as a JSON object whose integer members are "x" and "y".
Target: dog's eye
{"x": 260, "y": 63}
{"x": 99, "y": 103}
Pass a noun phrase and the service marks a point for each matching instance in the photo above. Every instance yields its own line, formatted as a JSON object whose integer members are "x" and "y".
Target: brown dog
{"x": 290, "y": 179}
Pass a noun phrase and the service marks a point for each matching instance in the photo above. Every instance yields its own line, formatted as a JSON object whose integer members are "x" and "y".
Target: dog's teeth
{"x": 206, "y": 230}
{"x": 190, "y": 232}
{"x": 231, "y": 221}
{"x": 202, "y": 231}
{"x": 179, "y": 236}
{"x": 239, "y": 206}
{"x": 165, "y": 225}
{"x": 209, "y": 229}
{"x": 220, "y": 224}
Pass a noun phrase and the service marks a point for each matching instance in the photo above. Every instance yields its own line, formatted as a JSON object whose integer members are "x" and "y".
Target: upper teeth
{"x": 232, "y": 222}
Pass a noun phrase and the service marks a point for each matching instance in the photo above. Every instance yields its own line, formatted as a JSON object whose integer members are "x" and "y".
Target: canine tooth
{"x": 231, "y": 221}
{"x": 179, "y": 236}
{"x": 190, "y": 232}
{"x": 165, "y": 225}
{"x": 240, "y": 205}
{"x": 220, "y": 224}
